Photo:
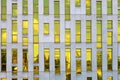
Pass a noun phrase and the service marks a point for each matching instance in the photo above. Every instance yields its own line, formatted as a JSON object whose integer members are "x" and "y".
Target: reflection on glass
{"x": 68, "y": 63}
{"x": 25, "y": 60}
{"x": 56, "y": 31}
{"x": 89, "y": 59}
{"x": 57, "y": 60}
{"x": 46, "y": 59}
{"x": 3, "y": 37}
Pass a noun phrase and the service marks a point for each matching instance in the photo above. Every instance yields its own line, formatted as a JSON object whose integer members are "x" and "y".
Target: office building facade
{"x": 60, "y": 40}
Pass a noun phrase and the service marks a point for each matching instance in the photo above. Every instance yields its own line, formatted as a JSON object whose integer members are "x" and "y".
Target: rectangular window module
{"x": 109, "y": 24}
{"x": 68, "y": 63}
{"x": 110, "y": 78}
{"x": 88, "y": 31}
{"x": 119, "y": 13}
{"x": 57, "y": 60}
{"x": 109, "y": 38}
{"x": 78, "y": 67}
{"x": 56, "y": 9}
{"x": 14, "y": 69}
{"x": 14, "y": 55}
{"x": 99, "y": 65}
{"x": 3, "y": 37}
{"x": 25, "y": 60}
{"x": 3, "y": 60}
{"x": 67, "y": 9}
{"x": 25, "y": 78}
{"x": 118, "y": 30}
{"x": 78, "y": 52}
{"x": 14, "y": 31}
{"x": 78, "y": 31}
{"x": 36, "y": 78}
{"x": 119, "y": 65}
{"x": 3, "y": 78}
{"x": 25, "y": 41}
{"x": 89, "y": 78}
{"x": 118, "y": 3}
{"x": 99, "y": 9}
{"x": 89, "y": 59}
{"x": 3, "y": 10}
{"x": 46, "y": 7}
{"x": 77, "y": 3}
{"x": 24, "y": 7}
{"x": 36, "y": 69}
{"x": 14, "y": 10}
{"x": 88, "y": 7}
{"x": 46, "y": 59}
{"x": 36, "y": 52}
{"x": 67, "y": 37}
{"x": 109, "y": 7}
{"x": 99, "y": 34}
{"x": 46, "y": 28}
{"x": 14, "y": 78}
{"x": 109, "y": 59}
{"x": 56, "y": 31}
{"x": 25, "y": 27}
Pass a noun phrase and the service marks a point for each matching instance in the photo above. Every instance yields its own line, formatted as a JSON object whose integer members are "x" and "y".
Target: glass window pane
{"x": 3, "y": 37}
{"x": 46, "y": 28}
{"x": 57, "y": 60}
{"x": 89, "y": 59}
{"x": 67, "y": 37}
{"x": 46, "y": 59}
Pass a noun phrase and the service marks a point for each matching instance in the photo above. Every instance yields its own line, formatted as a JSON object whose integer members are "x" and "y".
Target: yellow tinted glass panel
{"x": 119, "y": 65}
{"x": 77, "y": 3}
{"x": 119, "y": 31}
{"x": 14, "y": 55}
{"x": 68, "y": 61}
{"x": 109, "y": 59}
{"x": 3, "y": 37}
{"x": 99, "y": 65}
{"x": 67, "y": 9}
{"x": 109, "y": 6}
{"x": 67, "y": 37}
{"x": 109, "y": 24}
{"x": 46, "y": 59}
{"x": 99, "y": 8}
{"x": 88, "y": 31}
{"x": 88, "y": 7}
{"x": 109, "y": 38}
{"x": 25, "y": 27}
{"x": 25, "y": 7}
{"x": 25, "y": 60}
{"x": 99, "y": 34}
{"x": 46, "y": 28}
{"x": 3, "y": 10}
{"x": 36, "y": 69}
{"x": 14, "y": 9}
{"x": 46, "y": 6}
{"x": 78, "y": 52}
{"x": 3, "y": 78}
{"x": 57, "y": 31}
{"x": 57, "y": 60}
{"x": 36, "y": 53}
{"x": 78, "y": 31}
{"x": 78, "y": 66}
{"x": 56, "y": 9}
{"x": 89, "y": 59}
{"x": 25, "y": 41}
{"x": 14, "y": 31}
{"x": 110, "y": 78}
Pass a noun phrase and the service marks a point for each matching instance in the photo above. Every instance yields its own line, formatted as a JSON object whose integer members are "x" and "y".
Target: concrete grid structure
{"x": 60, "y": 40}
